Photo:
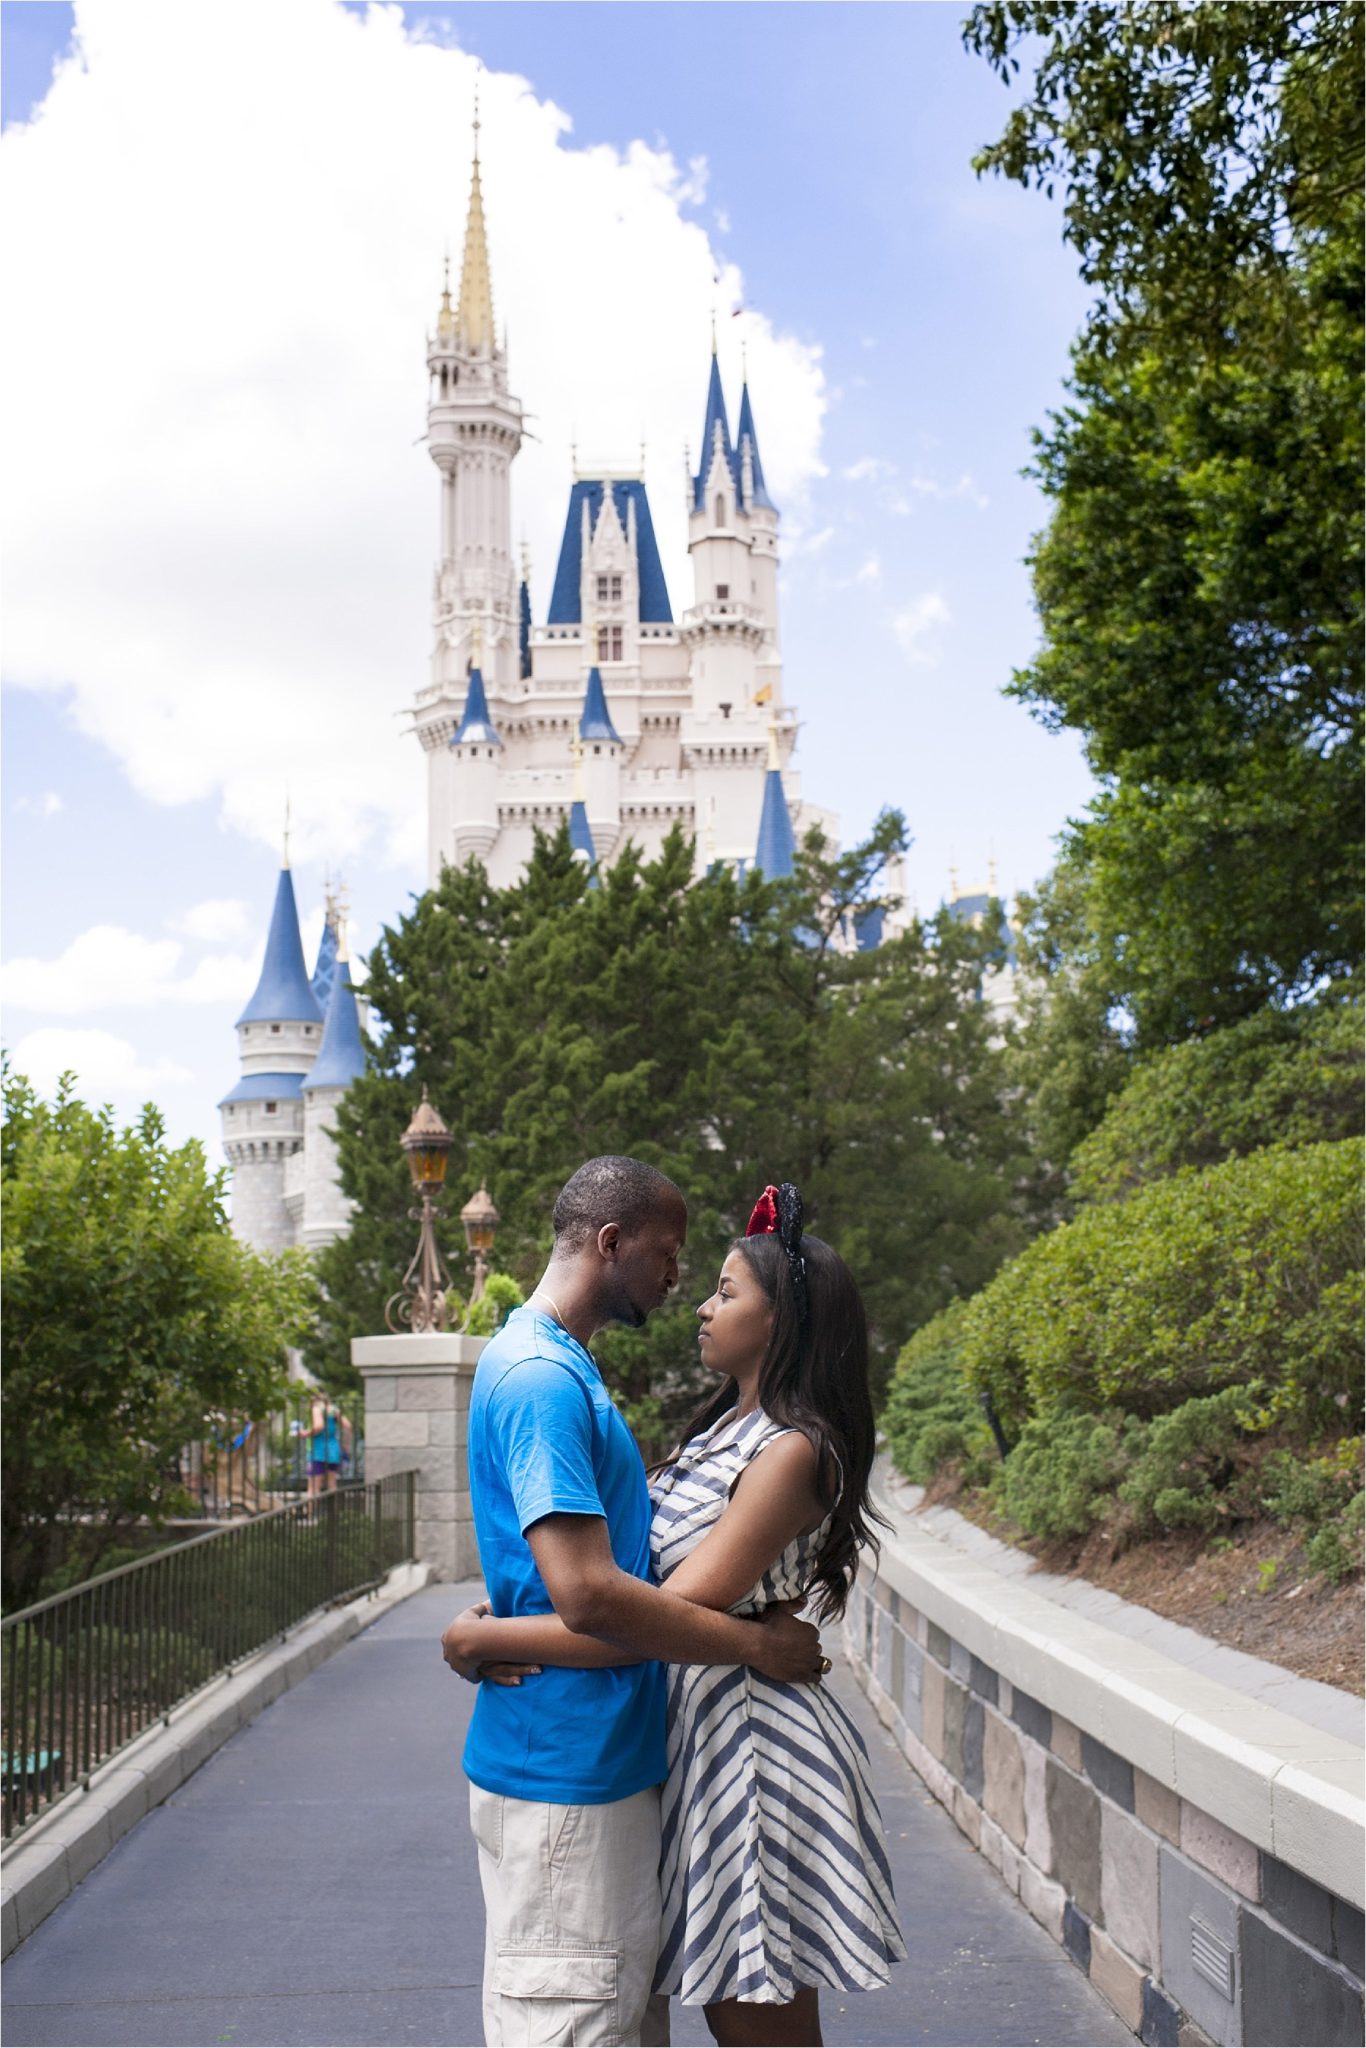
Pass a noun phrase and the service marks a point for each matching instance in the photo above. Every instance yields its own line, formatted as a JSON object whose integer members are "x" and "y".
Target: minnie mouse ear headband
{"x": 778, "y": 1213}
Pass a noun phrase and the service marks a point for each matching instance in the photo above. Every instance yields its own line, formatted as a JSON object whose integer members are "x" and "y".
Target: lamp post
{"x": 420, "y": 1303}
{"x": 480, "y": 1219}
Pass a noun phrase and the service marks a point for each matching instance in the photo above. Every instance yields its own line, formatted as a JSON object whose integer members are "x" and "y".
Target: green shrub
{"x": 1335, "y": 1549}
{"x": 1295, "y": 1488}
{"x": 932, "y": 1417}
{"x": 500, "y": 1296}
{"x": 1287, "y": 1078}
{"x": 1249, "y": 1271}
{"x": 1187, "y": 1459}
{"x": 1064, "y": 1471}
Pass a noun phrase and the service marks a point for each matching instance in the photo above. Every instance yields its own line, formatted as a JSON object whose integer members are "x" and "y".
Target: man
{"x": 565, "y": 1770}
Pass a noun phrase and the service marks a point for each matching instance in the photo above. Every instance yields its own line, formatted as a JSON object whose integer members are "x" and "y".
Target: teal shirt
{"x": 545, "y": 1438}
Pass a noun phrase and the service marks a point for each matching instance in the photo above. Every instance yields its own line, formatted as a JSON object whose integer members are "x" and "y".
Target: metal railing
{"x": 88, "y": 1670}
{"x": 248, "y": 1465}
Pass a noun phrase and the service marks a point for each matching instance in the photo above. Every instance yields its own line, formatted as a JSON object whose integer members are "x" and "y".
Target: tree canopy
{"x": 131, "y": 1314}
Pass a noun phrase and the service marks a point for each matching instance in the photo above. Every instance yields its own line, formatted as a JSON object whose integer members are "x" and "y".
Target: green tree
{"x": 1199, "y": 583}
{"x": 131, "y": 1317}
{"x": 726, "y": 1031}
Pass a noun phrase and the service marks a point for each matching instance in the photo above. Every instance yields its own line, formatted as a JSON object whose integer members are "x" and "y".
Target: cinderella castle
{"x": 614, "y": 716}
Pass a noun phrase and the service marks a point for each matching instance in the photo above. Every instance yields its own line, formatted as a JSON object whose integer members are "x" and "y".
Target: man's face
{"x": 645, "y": 1265}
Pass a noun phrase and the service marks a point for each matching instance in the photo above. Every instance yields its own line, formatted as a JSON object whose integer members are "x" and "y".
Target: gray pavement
{"x": 315, "y": 1884}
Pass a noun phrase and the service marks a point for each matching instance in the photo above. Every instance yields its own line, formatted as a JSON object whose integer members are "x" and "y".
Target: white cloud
{"x": 216, "y": 921}
{"x": 917, "y": 624}
{"x": 223, "y": 238}
{"x": 45, "y": 806}
{"x": 103, "y": 1064}
{"x": 868, "y": 469}
{"x": 931, "y": 487}
{"x": 869, "y": 572}
{"x": 107, "y": 968}
{"x": 722, "y": 220}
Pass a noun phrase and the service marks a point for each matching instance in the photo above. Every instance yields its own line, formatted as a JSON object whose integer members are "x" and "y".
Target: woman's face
{"x": 736, "y": 1321}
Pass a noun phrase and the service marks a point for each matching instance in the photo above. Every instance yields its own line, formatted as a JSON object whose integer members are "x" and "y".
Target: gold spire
{"x": 477, "y": 641}
{"x": 475, "y": 319}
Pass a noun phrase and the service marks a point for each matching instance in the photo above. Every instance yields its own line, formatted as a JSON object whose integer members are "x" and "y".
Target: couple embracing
{"x": 666, "y": 1800}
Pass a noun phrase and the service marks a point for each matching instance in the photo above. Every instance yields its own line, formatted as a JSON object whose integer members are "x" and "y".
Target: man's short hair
{"x": 612, "y": 1189}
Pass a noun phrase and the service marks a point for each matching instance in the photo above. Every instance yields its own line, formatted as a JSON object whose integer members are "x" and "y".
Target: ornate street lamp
{"x": 480, "y": 1219}
{"x": 420, "y": 1303}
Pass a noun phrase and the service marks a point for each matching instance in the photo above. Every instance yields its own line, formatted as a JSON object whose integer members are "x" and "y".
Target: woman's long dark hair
{"x": 815, "y": 1378}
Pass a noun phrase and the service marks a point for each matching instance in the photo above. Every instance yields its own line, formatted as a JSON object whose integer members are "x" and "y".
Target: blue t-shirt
{"x": 545, "y": 1439}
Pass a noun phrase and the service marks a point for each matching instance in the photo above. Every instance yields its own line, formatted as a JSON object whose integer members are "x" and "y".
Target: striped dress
{"x": 774, "y": 1872}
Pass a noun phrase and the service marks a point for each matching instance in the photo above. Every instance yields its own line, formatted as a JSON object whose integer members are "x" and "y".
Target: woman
{"x": 774, "y": 1876}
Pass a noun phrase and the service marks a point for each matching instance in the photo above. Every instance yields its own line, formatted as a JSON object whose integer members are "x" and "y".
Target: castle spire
{"x": 747, "y": 455}
{"x": 715, "y": 434}
{"x": 474, "y": 321}
{"x": 776, "y": 852}
{"x": 283, "y": 995}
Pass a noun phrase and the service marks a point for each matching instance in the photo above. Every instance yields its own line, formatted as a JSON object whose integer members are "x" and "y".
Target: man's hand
{"x": 791, "y": 1650}
{"x": 460, "y": 1648}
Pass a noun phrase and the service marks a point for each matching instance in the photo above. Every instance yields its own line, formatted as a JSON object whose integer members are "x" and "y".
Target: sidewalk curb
{"x": 52, "y": 1857}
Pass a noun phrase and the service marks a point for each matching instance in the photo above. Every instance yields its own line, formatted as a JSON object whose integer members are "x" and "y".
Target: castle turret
{"x": 580, "y": 834}
{"x": 600, "y": 755}
{"x": 775, "y": 851}
{"x": 278, "y": 1036}
{"x": 761, "y": 517}
{"x": 341, "y": 1060}
{"x": 474, "y": 750}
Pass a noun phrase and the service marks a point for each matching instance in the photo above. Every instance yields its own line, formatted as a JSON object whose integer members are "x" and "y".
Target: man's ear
{"x": 609, "y": 1238}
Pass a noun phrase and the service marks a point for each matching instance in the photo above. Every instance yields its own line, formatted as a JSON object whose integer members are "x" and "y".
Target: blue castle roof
{"x": 654, "y": 595}
{"x": 776, "y": 851}
{"x": 524, "y": 628}
{"x": 746, "y": 432}
{"x": 716, "y": 416}
{"x": 580, "y": 838}
{"x": 870, "y": 927}
{"x": 321, "y": 979}
{"x": 596, "y": 722}
{"x": 283, "y": 993}
{"x": 476, "y": 725}
{"x": 341, "y": 1059}
{"x": 265, "y": 1088}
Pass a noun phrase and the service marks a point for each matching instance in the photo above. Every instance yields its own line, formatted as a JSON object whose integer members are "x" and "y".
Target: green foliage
{"x": 1063, "y": 1472}
{"x": 1249, "y": 1271}
{"x": 1185, "y": 1460}
{"x": 1199, "y": 585}
{"x": 931, "y": 1419}
{"x": 1295, "y": 1488}
{"x": 1286, "y": 1078}
{"x": 500, "y": 1296}
{"x": 131, "y": 1314}
{"x": 715, "y": 1028}
{"x": 1335, "y": 1549}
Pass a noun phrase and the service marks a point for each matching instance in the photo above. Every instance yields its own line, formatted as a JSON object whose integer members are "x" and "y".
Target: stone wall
{"x": 1190, "y": 1929}
{"x": 417, "y": 1398}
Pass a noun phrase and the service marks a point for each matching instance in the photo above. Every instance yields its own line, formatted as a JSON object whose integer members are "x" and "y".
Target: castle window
{"x": 720, "y": 510}
{"x": 609, "y": 643}
{"x": 271, "y": 1108}
{"x": 276, "y": 1029}
{"x": 723, "y": 590}
{"x": 609, "y": 590}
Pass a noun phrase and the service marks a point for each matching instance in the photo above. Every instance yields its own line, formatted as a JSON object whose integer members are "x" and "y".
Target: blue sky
{"x": 221, "y": 553}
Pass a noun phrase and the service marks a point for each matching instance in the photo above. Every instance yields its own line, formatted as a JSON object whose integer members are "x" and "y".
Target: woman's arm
{"x": 775, "y": 1499}
{"x": 478, "y": 1637}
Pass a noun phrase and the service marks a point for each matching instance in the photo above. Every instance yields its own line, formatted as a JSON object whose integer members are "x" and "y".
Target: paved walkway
{"x": 315, "y": 1883}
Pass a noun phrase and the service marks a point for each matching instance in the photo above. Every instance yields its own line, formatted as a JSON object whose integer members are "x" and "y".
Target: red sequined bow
{"x": 764, "y": 1219}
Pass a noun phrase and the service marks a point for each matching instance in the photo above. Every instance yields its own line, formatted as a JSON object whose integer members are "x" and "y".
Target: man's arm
{"x": 594, "y": 1597}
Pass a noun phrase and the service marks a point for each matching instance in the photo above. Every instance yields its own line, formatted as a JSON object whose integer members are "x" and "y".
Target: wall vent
{"x": 1211, "y": 1958}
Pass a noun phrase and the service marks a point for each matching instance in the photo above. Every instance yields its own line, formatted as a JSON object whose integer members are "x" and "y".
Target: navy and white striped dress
{"x": 774, "y": 1872}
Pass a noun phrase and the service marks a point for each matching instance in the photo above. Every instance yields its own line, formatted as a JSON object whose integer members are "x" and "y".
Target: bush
{"x": 1249, "y": 1271}
{"x": 1186, "y": 1460}
{"x": 500, "y": 1296}
{"x": 932, "y": 1418}
{"x": 1335, "y": 1549}
{"x": 1064, "y": 1471}
{"x": 1287, "y": 1078}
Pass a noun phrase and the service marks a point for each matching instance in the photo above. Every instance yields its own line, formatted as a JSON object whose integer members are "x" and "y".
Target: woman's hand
{"x": 461, "y": 1648}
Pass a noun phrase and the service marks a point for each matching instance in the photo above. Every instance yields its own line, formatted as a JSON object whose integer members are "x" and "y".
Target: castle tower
{"x": 474, "y": 430}
{"x": 580, "y": 835}
{"x": 278, "y": 1037}
{"x": 341, "y": 1060}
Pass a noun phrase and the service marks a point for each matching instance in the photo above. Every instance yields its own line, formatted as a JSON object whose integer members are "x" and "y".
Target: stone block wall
{"x": 1191, "y": 1931}
{"x": 417, "y": 1397}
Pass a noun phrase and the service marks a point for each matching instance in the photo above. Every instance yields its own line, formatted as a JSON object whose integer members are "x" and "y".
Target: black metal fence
{"x": 89, "y": 1669}
{"x": 248, "y": 1465}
